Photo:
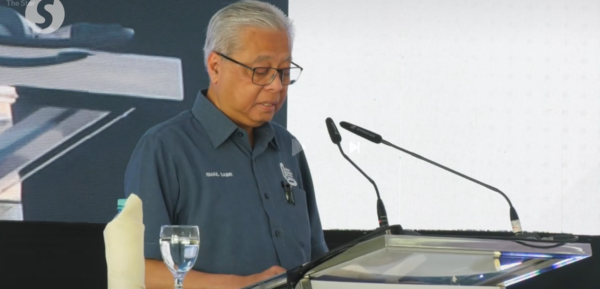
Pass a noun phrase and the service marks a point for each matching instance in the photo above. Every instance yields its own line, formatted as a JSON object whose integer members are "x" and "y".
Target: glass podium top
{"x": 423, "y": 260}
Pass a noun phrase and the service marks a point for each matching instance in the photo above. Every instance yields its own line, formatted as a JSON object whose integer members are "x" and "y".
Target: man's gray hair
{"x": 224, "y": 28}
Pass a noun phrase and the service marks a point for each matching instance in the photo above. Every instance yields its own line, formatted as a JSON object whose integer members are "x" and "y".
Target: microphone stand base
{"x": 523, "y": 235}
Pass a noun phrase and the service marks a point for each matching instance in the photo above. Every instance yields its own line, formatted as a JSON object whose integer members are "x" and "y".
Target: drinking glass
{"x": 179, "y": 247}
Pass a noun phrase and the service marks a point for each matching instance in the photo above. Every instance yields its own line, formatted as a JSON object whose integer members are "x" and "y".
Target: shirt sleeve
{"x": 318, "y": 245}
{"x": 151, "y": 175}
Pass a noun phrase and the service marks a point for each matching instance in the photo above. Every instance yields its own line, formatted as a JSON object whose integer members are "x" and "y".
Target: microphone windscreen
{"x": 334, "y": 134}
{"x": 367, "y": 134}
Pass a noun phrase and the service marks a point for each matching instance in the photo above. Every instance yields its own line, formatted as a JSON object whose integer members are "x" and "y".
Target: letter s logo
{"x": 43, "y": 12}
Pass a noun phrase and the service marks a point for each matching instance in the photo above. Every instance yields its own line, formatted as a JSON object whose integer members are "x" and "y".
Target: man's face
{"x": 245, "y": 103}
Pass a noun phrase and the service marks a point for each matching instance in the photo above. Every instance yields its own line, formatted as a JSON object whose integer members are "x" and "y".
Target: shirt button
{"x": 277, "y": 233}
{"x": 240, "y": 134}
{"x": 266, "y": 196}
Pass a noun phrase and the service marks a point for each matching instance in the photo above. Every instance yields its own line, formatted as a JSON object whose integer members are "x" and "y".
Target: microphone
{"x": 376, "y": 138}
{"x": 336, "y": 138}
{"x": 334, "y": 134}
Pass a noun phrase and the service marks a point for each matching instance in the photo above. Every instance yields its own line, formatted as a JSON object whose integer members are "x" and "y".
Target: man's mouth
{"x": 268, "y": 104}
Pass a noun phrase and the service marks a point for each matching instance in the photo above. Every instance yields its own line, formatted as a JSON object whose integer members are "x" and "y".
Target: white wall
{"x": 507, "y": 92}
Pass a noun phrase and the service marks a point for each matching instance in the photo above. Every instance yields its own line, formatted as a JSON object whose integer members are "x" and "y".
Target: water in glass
{"x": 179, "y": 247}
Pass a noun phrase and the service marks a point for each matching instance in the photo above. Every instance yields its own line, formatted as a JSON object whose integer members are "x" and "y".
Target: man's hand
{"x": 275, "y": 270}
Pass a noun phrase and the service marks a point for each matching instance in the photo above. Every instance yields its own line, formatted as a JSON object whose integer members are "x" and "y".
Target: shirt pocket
{"x": 299, "y": 220}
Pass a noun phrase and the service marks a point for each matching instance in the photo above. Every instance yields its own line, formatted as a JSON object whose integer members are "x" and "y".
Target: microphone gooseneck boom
{"x": 376, "y": 138}
{"x": 336, "y": 138}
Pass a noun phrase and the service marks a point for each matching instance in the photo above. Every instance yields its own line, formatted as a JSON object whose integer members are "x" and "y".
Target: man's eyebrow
{"x": 267, "y": 57}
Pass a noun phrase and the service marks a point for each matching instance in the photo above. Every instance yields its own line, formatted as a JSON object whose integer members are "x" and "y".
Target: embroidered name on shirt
{"x": 219, "y": 175}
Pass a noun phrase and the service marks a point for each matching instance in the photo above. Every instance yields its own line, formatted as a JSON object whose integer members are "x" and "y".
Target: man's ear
{"x": 214, "y": 67}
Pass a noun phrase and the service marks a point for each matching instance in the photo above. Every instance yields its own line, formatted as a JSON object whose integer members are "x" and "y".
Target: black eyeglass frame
{"x": 279, "y": 71}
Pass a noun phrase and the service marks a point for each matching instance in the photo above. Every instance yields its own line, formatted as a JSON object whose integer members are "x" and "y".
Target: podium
{"x": 426, "y": 262}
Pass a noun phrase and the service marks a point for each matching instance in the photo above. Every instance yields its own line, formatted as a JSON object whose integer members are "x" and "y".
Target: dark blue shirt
{"x": 198, "y": 168}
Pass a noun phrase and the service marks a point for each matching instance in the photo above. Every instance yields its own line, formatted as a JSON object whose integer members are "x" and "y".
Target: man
{"x": 224, "y": 167}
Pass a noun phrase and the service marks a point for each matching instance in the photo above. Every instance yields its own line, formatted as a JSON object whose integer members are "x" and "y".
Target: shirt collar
{"x": 219, "y": 127}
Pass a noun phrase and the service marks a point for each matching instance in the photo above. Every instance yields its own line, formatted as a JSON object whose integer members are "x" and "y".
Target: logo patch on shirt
{"x": 219, "y": 174}
{"x": 287, "y": 175}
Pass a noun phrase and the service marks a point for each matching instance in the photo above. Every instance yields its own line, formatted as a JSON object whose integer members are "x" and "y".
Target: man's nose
{"x": 276, "y": 84}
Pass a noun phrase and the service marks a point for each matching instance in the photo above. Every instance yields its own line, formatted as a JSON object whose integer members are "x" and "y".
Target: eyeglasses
{"x": 265, "y": 75}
